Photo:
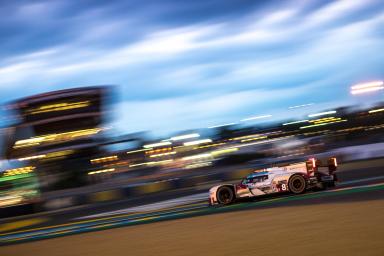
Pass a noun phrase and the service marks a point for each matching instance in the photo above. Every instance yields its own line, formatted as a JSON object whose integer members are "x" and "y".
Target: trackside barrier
{"x": 139, "y": 190}
{"x": 82, "y": 198}
{"x": 238, "y": 174}
{"x": 108, "y": 195}
{"x": 152, "y": 188}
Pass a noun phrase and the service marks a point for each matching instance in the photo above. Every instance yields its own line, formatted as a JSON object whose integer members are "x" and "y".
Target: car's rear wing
{"x": 313, "y": 165}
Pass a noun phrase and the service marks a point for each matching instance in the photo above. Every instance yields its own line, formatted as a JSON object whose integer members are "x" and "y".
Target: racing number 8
{"x": 283, "y": 187}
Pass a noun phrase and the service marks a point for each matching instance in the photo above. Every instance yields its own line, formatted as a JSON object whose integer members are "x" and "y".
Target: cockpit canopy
{"x": 255, "y": 177}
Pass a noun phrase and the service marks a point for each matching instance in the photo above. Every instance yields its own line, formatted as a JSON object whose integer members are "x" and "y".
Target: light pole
{"x": 367, "y": 87}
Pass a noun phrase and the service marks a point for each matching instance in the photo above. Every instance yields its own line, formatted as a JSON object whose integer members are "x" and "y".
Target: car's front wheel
{"x": 297, "y": 184}
{"x": 225, "y": 195}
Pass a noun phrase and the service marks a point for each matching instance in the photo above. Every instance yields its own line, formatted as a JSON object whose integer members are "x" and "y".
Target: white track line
{"x": 152, "y": 207}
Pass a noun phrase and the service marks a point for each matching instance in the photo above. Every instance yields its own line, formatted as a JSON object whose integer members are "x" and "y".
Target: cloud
{"x": 203, "y": 110}
{"x": 31, "y": 11}
{"x": 336, "y": 10}
{"x": 192, "y": 61}
{"x": 278, "y": 17}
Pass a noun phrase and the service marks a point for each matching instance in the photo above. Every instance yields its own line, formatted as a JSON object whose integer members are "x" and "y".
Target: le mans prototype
{"x": 294, "y": 178}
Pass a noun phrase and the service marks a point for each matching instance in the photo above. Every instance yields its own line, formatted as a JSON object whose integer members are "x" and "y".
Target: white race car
{"x": 294, "y": 178}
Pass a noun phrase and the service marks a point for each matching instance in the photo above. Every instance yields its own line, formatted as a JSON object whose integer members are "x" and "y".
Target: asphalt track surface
{"x": 364, "y": 185}
{"x": 346, "y": 223}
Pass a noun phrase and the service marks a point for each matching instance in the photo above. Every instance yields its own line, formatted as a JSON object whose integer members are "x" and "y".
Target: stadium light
{"x": 322, "y": 113}
{"x": 376, "y": 110}
{"x": 372, "y": 89}
{"x": 198, "y": 156}
{"x": 138, "y": 150}
{"x": 31, "y": 157}
{"x": 367, "y": 87}
{"x": 164, "y": 143}
{"x": 186, "y": 136}
{"x": 254, "y": 118}
{"x": 301, "y": 106}
{"x": 197, "y": 142}
{"x": 296, "y": 122}
{"x": 322, "y": 124}
{"x": 221, "y": 125}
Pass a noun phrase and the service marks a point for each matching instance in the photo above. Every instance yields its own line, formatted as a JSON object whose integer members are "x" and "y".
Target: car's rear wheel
{"x": 297, "y": 184}
{"x": 225, "y": 195}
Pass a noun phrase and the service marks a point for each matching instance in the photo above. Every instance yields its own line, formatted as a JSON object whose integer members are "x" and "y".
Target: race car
{"x": 294, "y": 178}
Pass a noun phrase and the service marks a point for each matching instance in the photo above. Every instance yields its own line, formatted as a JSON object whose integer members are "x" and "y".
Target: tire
{"x": 297, "y": 184}
{"x": 225, "y": 195}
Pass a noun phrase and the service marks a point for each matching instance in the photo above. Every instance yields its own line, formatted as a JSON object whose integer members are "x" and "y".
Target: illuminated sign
{"x": 59, "y": 107}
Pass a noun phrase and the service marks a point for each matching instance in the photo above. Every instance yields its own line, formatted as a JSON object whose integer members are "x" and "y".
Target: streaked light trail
{"x": 221, "y": 125}
{"x": 367, "y": 87}
{"x": 197, "y": 142}
{"x": 186, "y": 136}
{"x": 164, "y": 143}
{"x": 323, "y": 113}
{"x": 376, "y": 110}
{"x": 301, "y": 106}
{"x": 296, "y": 122}
{"x": 255, "y": 117}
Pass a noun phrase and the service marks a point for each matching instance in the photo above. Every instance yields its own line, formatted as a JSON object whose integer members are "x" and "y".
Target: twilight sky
{"x": 190, "y": 64}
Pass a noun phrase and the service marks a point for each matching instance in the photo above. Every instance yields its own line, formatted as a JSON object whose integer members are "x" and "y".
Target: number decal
{"x": 283, "y": 187}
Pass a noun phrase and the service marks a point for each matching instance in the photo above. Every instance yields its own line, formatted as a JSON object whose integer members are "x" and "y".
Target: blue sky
{"x": 188, "y": 64}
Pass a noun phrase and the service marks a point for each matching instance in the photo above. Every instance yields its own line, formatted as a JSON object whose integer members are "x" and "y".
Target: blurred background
{"x": 158, "y": 96}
